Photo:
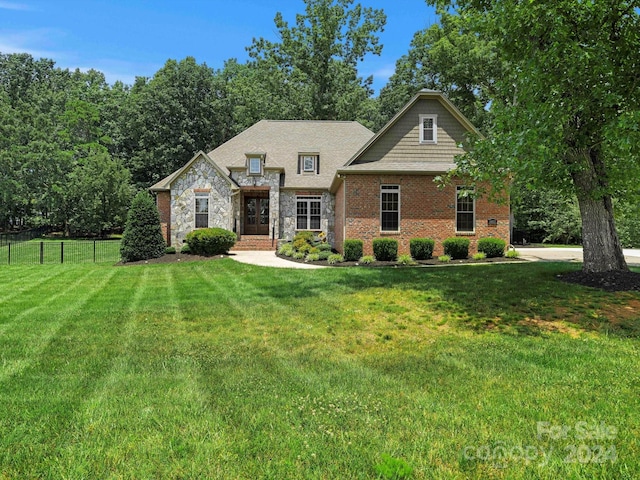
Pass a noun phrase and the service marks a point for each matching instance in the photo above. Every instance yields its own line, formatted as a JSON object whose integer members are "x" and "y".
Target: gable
{"x": 400, "y": 142}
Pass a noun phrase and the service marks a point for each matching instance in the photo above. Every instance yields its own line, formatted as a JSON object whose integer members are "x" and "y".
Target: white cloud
{"x": 14, "y": 6}
{"x": 23, "y": 41}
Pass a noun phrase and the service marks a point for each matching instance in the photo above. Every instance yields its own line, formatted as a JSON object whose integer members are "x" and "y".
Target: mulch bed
{"x": 432, "y": 261}
{"x": 616, "y": 281}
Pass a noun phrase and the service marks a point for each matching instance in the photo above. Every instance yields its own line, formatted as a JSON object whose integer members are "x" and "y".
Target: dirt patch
{"x": 616, "y": 281}
{"x": 175, "y": 258}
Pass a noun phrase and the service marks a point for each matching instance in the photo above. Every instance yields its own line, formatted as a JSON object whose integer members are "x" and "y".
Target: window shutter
{"x": 318, "y": 164}
{"x": 299, "y": 162}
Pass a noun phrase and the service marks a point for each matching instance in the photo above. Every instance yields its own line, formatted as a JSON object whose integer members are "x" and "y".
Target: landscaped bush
{"x": 513, "y": 254}
{"x": 324, "y": 247}
{"x": 306, "y": 248}
{"x": 170, "y": 250}
{"x": 185, "y": 248}
{"x": 299, "y": 255}
{"x": 444, "y": 258}
{"x": 313, "y": 257}
{"x": 367, "y": 260}
{"x": 385, "y": 249}
{"x": 335, "y": 258}
{"x": 284, "y": 248}
{"x": 210, "y": 241}
{"x": 142, "y": 238}
{"x": 353, "y": 250}
{"x": 306, "y": 236}
{"x": 492, "y": 247}
{"x": 479, "y": 256}
{"x": 299, "y": 243}
{"x": 421, "y": 248}
{"x": 456, "y": 247}
{"x": 406, "y": 259}
{"x": 324, "y": 254}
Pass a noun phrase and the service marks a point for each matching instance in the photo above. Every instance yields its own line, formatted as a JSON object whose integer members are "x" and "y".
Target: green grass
{"x": 222, "y": 370}
{"x": 49, "y": 251}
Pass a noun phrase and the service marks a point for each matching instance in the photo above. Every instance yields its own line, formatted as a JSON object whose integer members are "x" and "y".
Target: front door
{"x": 256, "y": 216}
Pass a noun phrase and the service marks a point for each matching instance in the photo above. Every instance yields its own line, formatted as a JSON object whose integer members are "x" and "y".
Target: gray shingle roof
{"x": 283, "y": 140}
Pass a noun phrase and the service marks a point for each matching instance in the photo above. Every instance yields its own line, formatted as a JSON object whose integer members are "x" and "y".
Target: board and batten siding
{"x": 402, "y": 141}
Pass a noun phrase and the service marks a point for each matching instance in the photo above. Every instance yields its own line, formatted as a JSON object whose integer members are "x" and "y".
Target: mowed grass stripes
{"x": 223, "y": 370}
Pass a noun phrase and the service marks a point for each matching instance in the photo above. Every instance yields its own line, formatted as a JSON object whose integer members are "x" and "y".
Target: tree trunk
{"x": 601, "y": 246}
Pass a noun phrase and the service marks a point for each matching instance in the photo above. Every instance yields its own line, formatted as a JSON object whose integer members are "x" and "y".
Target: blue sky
{"x": 125, "y": 39}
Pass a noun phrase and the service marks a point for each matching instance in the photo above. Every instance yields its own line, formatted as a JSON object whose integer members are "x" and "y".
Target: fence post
{"x": 61, "y": 252}
{"x": 41, "y": 253}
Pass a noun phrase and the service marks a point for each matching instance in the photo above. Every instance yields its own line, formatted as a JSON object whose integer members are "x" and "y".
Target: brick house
{"x": 279, "y": 177}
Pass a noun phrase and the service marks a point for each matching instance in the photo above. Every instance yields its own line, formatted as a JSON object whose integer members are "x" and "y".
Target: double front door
{"x": 256, "y": 216}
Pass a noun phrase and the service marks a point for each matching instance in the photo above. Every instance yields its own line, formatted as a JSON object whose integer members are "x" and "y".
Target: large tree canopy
{"x": 449, "y": 57}
{"x": 316, "y": 60}
{"x": 566, "y": 115}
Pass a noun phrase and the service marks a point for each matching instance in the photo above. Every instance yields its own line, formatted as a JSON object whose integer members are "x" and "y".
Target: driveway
{"x": 569, "y": 254}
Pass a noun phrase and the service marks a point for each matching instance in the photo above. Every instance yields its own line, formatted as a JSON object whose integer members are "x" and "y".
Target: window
{"x": 202, "y": 210}
{"x": 308, "y": 213}
{"x": 428, "y": 129}
{"x": 255, "y": 166}
{"x": 389, "y": 208}
{"x": 309, "y": 164}
{"x": 465, "y": 210}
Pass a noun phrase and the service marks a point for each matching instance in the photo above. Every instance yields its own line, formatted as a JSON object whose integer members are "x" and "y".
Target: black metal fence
{"x": 49, "y": 252}
{"x": 22, "y": 236}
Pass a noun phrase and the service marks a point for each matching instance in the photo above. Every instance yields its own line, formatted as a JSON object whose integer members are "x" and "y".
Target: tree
{"x": 100, "y": 191}
{"x": 169, "y": 118}
{"x": 451, "y": 58}
{"x": 567, "y": 108}
{"x": 142, "y": 238}
{"x": 315, "y": 62}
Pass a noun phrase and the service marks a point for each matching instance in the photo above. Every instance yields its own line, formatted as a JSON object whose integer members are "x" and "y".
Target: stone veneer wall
{"x": 269, "y": 179}
{"x": 201, "y": 175}
{"x": 288, "y": 215}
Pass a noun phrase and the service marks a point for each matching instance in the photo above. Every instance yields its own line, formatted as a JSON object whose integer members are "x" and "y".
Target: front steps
{"x": 255, "y": 242}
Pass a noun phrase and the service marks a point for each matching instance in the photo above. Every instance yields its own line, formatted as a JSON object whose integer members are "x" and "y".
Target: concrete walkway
{"x": 569, "y": 254}
{"x": 268, "y": 259}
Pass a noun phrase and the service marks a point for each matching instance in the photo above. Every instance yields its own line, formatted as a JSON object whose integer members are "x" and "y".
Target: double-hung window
{"x": 465, "y": 210}
{"x": 202, "y": 210}
{"x": 389, "y": 208}
{"x": 428, "y": 129}
{"x": 308, "y": 214}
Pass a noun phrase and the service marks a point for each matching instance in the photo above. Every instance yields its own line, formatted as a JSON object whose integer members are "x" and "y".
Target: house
{"x": 279, "y": 177}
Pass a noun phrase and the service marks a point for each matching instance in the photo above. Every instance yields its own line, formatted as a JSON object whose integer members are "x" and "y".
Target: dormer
{"x": 255, "y": 163}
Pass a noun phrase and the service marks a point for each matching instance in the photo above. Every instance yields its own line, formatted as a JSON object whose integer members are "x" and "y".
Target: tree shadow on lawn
{"x": 524, "y": 299}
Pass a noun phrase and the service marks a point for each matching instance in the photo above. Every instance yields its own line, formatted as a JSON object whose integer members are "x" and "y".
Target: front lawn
{"x": 223, "y": 370}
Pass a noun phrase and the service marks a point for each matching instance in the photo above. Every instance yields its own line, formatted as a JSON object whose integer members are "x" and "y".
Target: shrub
{"x": 324, "y": 254}
{"x": 313, "y": 257}
{"x": 352, "y": 250}
{"x": 385, "y": 249}
{"x": 405, "y": 259}
{"x": 185, "y": 248}
{"x": 299, "y": 255}
{"x": 335, "y": 258}
{"x": 314, "y": 250}
{"x": 492, "y": 247}
{"x": 513, "y": 254}
{"x": 142, "y": 238}
{"x": 367, "y": 260}
{"x": 299, "y": 243}
{"x": 170, "y": 250}
{"x": 444, "y": 258}
{"x": 210, "y": 241}
{"x": 479, "y": 256}
{"x": 306, "y": 236}
{"x": 305, "y": 248}
{"x": 456, "y": 247}
{"x": 421, "y": 248}
{"x": 324, "y": 247}
{"x": 284, "y": 248}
